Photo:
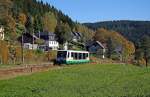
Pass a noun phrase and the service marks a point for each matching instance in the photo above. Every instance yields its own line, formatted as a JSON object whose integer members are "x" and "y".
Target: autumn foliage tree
{"x": 128, "y": 48}
{"x": 5, "y": 6}
{"x": 22, "y": 18}
{"x": 4, "y": 52}
{"x": 85, "y": 31}
{"x": 49, "y": 22}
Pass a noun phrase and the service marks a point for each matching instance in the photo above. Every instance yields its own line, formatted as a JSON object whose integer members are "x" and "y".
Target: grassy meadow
{"x": 81, "y": 81}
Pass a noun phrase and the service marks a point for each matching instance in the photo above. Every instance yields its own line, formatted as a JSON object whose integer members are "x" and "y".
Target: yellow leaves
{"x": 22, "y": 18}
{"x": 51, "y": 55}
{"x": 87, "y": 33}
{"x": 102, "y": 35}
{"x": 11, "y": 23}
{"x": 4, "y": 52}
{"x": 18, "y": 52}
{"x": 5, "y": 6}
{"x": 50, "y": 22}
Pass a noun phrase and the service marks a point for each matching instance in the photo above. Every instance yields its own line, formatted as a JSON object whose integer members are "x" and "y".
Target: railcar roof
{"x": 74, "y": 51}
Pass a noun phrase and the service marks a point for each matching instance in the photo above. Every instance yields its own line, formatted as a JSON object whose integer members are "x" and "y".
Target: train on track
{"x": 72, "y": 57}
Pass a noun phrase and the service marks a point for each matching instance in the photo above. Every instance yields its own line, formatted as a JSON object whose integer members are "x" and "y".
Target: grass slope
{"x": 81, "y": 81}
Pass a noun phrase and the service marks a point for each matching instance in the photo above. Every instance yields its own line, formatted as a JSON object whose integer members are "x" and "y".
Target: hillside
{"x": 32, "y": 16}
{"x": 132, "y": 30}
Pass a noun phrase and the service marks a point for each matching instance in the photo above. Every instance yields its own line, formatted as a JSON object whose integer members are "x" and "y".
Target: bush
{"x": 4, "y": 52}
{"x": 51, "y": 55}
{"x": 140, "y": 62}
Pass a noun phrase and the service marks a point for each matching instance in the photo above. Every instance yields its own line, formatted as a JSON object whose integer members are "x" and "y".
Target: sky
{"x": 103, "y": 10}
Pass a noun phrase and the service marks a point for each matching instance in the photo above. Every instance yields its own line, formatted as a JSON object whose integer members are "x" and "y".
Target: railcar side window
{"x": 72, "y": 55}
{"x": 80, "y": 55}
{"x": 84, "y": 57}
{"x": 68, "y": 54}
{"x": 76, "y": 56}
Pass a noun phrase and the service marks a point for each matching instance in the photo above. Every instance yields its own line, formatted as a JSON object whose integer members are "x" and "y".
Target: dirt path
{"x": 7, "y": 73}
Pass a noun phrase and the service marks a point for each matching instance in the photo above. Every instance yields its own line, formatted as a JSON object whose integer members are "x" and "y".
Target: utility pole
{"x": 22, "y": 46}
{"x": 33, "y": 39}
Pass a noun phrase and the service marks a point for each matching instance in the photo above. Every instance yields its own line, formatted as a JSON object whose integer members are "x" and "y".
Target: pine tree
{"x": 38, "y": 24}
{"x": 29, "y": 24}
{"x": 111, "y": 47}
{"x": 145, "y": 46}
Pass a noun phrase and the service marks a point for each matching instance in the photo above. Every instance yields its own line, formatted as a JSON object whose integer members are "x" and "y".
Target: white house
{"x": 50, "y": 40}
{"x": 76, "y": 36}
{"x": 2, "y": 33}
{"x": 28, "y": 41}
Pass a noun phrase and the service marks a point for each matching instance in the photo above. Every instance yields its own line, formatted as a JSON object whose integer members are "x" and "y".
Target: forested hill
{"x": 32, "y": 16}
{"x": 133, "y": 30}
{"x": 38, "y": 8}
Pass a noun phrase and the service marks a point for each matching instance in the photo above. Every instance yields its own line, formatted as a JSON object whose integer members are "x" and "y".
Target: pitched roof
{"x": 100, "y": 44}
{"x": 93, "y": 42}
{"x": 77, "y": 34}
{"x": 47, "y": 36}
{"x": 46, "y": 33}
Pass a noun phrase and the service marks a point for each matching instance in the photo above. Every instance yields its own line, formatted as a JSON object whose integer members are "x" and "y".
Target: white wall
{"x": 1, "y": 33}
{"x": 52, "y": 44}
{"x": 30, "y": 46}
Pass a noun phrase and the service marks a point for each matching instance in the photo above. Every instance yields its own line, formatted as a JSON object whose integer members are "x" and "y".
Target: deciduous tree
{"x": 49, "y": 22}
{"x": 63, "y": 33}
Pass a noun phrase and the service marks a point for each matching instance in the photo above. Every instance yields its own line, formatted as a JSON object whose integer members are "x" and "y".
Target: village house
{"x": 96, "y": 47}
{"x": 29, "y": 41}
{"x": 50, "y": 41}
{"x": 2, "y": 33}
{"x": 76, "y": 36}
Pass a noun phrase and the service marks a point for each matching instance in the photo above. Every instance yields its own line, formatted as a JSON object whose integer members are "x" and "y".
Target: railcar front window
{"x": 61, "y": 54}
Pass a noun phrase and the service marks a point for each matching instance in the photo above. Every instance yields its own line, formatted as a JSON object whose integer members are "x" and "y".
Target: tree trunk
{"x": 146, "y": 62}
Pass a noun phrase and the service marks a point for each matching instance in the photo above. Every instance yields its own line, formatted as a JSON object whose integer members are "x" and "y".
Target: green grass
{"x": 8, "y": 65}
{"x": 81, "y": 81}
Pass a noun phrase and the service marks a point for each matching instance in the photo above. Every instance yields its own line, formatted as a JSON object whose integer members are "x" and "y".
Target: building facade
{"x": 2, "y": 33}
{"x": 50, "y": 40}
{"x": 96, "y": 47}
